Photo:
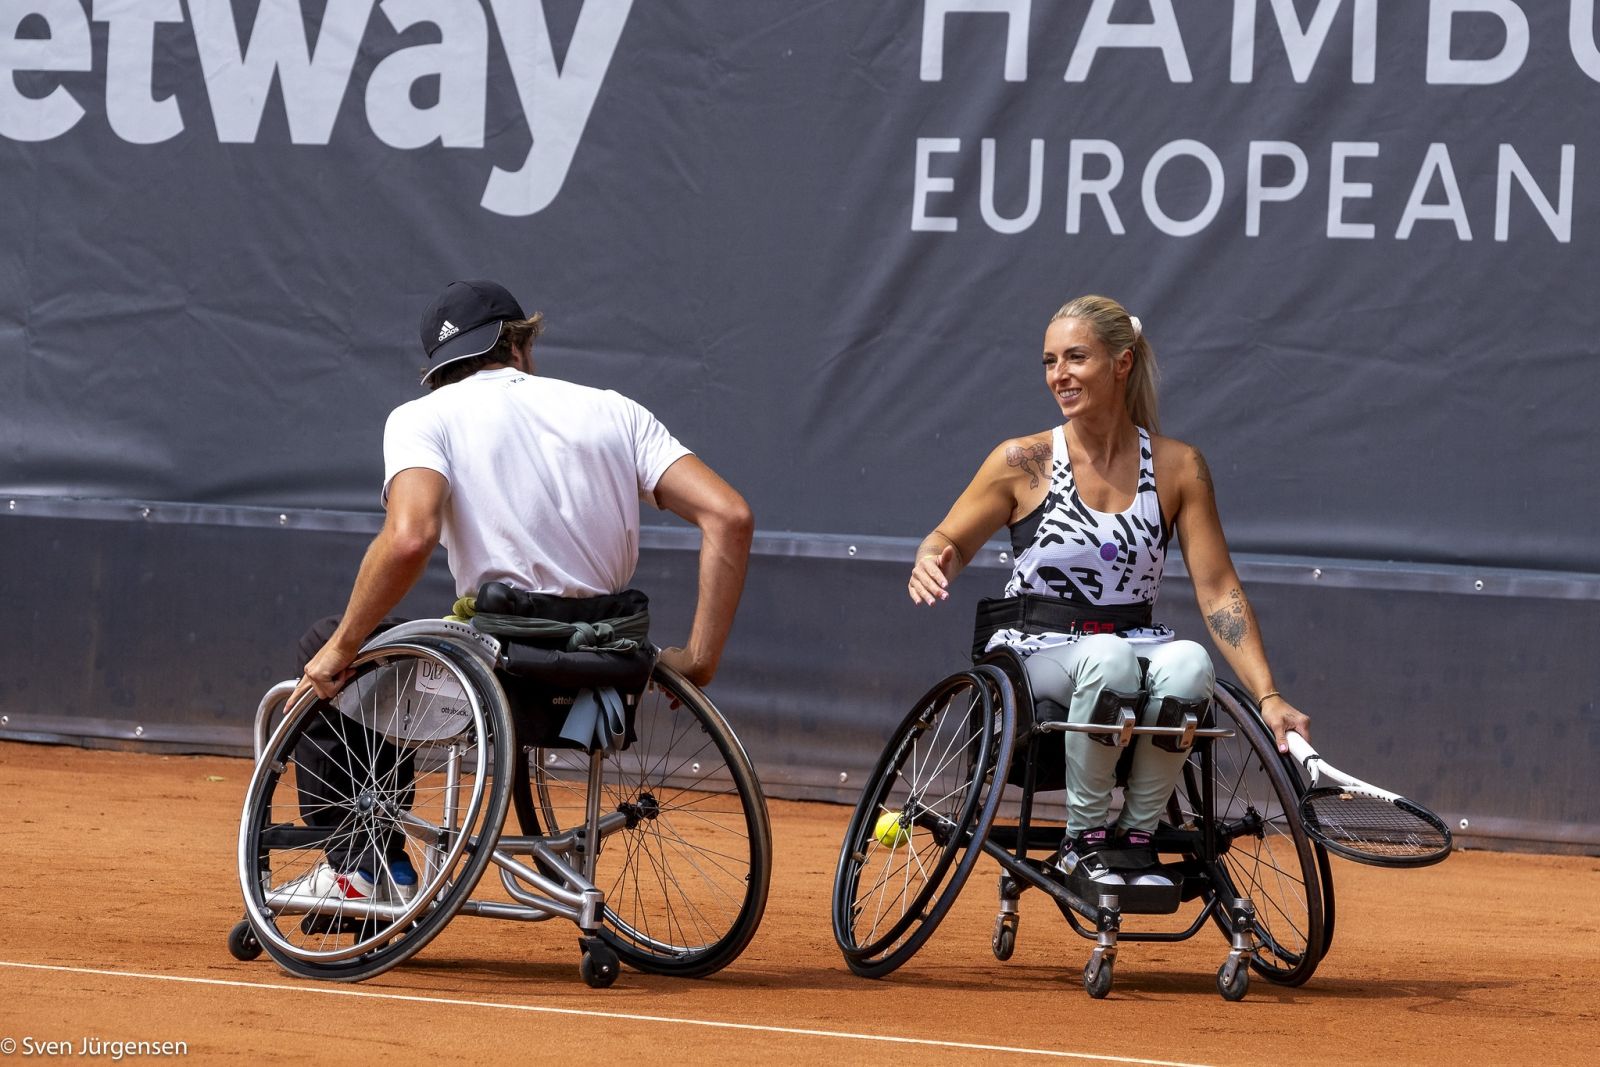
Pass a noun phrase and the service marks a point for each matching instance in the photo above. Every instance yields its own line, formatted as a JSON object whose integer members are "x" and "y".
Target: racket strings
{"x": 1371, "y": 825}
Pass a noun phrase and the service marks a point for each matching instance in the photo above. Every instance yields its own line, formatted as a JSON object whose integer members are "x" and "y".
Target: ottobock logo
{"x": 312, "y": 66}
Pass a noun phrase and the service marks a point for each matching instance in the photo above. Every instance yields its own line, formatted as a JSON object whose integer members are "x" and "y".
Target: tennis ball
{"x": 888, "y": 830}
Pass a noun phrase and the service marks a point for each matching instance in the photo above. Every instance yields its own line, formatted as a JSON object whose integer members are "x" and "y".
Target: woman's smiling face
{"x": 1080, "y": 371}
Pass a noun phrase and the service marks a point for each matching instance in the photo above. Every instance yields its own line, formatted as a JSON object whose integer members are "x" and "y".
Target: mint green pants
{"x": 1073, "y": 676}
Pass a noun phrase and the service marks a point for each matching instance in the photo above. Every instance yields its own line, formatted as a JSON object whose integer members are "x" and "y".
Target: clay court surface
{"x": 118, "y": 874}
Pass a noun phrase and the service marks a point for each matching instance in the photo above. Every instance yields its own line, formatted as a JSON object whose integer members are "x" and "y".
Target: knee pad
{"x": 1108, "y": 711}
{"x": 1178, "y": 712}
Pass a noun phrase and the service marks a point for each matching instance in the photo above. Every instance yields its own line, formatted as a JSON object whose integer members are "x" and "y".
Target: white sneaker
{"x": 323, "y": 885}
{"x": 403, "y": 878}
{"x": 1150, "y": 878}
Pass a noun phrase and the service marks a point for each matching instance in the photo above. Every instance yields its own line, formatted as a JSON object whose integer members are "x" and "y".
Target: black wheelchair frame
{"x": 660, "y": 852}
{"x": 972, "y": 748}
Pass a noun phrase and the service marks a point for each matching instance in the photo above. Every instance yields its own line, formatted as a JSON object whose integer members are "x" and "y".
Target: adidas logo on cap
{"x": 448, "y": 330}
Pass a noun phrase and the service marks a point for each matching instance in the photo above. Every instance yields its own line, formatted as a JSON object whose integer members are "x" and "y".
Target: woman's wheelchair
{"x": 1231, "y": 841}
{"x": 658, "y": 847}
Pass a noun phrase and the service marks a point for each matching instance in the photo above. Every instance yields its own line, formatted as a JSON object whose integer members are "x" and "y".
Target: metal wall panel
{"x": 165, "y": 635}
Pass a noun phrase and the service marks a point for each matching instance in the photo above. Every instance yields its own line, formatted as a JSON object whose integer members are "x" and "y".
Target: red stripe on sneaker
{"x": 348, "y": 888}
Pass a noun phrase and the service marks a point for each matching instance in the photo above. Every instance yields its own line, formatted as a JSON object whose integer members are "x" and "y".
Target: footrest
{"x": 1134, "y": 899}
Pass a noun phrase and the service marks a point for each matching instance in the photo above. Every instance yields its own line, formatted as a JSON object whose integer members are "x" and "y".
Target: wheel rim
{"x": 398, "y": 715}
{"x": 685, "y": 877}
{"x": 1265, "y": 855}
{"x": 936, "y": 772}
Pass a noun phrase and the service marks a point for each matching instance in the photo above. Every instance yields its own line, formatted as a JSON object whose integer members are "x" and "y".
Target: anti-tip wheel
{"x": 600, "y": 964}
{"x": 1236, "y": 989}
{"x": 242, "y": 943}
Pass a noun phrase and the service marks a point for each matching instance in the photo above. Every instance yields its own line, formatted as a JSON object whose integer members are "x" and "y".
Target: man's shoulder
{"x": 413, "y": 410}
{"x": 590, "y": 399}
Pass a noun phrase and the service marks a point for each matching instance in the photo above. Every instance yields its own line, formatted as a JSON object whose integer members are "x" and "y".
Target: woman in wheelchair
{"x": 1091, "y": 506}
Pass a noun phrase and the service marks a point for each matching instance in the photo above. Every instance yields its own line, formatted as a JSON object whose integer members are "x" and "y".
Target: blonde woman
{"x": 1092, "y": 505}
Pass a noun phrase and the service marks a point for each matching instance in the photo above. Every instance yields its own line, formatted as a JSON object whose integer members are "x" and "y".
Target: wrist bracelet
{"x": 1264, "y": 697}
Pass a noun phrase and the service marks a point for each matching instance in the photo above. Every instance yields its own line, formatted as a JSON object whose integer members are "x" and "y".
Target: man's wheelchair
{"x": 658, "y": 848}
{"x": 973, "y": 749}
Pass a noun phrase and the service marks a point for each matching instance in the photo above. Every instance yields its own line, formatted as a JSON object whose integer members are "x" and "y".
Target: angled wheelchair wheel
{"x": 686, "y": 877}
{"x": 1264, "y": 854}
{"x": 367, "y": 823}
{"x": 922, "y": 819}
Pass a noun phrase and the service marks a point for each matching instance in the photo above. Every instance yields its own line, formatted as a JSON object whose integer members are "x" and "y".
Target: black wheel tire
{"x": 242, "y": 943}
{"x": 270, "y": 826}
{"x": 687, "y": 883}
{"x": 1236, "y": 989}
{"x": 599, "y": 966}
{"x": 888, "y": 899}
{"x": 1005, "y": 942}
{"x": 1099, "y": 985}
{"x": 1277, "y": 868}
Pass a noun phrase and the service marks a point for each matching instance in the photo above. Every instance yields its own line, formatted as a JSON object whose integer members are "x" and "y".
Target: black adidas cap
{"x": 465, "y": 321}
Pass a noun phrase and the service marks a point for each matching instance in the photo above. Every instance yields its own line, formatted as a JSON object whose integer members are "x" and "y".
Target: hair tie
{"x": 1138, "y": 327}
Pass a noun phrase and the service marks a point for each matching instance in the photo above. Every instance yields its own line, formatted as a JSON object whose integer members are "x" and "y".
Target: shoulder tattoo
{"x": 1230, "y": 623}
{"x": 1031, "y": 459}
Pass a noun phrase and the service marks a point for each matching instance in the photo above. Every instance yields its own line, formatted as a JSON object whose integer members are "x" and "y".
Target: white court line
{"x": 843, "y": 1035}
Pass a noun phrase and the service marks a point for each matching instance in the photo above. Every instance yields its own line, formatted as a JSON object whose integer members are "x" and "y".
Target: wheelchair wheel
{"x": 922, "y": 819}
{"x": 686, "y": 880}
{"x": 407, "y": 760}
{"x": 1264, "y": 852}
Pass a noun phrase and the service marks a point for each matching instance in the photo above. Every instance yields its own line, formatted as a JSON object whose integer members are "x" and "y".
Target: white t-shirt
{"x": 545, "y": 478}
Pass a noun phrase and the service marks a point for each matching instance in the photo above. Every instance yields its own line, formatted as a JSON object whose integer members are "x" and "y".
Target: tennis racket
{"x": 1361, "y": 822}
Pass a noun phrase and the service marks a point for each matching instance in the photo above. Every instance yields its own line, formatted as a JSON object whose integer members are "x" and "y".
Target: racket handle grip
{"x": 1301, "y": 749}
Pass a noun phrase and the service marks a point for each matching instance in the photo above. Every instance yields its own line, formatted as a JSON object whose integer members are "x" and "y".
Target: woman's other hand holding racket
{"x": 1282, "y": 717}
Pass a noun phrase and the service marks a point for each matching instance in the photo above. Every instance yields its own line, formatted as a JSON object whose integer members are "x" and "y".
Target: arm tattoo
{"x": 1031, "y": 459}
{"x": 1204, "y": 472}
{"x": 1230, "y": 623}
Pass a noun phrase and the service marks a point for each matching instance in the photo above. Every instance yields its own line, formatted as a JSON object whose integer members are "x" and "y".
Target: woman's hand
{"x": 930, "y": 576}
{"x": 1282, "y": 717}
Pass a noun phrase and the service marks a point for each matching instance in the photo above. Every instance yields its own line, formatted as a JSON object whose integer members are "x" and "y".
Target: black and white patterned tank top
{"x": 1065, "y": 548}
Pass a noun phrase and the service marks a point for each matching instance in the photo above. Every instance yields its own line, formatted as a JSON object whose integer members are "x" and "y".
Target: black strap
{"x": 549, "y": 661}
{"x": 1033, "y": 613}
{"x": 498, "y": 598}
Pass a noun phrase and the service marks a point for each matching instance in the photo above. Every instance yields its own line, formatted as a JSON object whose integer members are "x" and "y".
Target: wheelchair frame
{"x": 945, "y": 772}
{"x": 425, "y": 695}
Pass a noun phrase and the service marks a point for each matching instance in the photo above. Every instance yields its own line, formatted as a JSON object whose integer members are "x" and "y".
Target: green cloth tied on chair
{"x": 597, "y": 718}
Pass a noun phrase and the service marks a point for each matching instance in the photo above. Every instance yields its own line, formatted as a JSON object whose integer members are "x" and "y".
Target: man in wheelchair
{"x": 533, "y": 486}
{"x": 1091, "y": 506}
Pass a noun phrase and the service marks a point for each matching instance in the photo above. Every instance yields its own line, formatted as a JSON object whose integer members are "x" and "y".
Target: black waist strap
{"x": 569, "y": 642}
{"x": 1032, "y": 613}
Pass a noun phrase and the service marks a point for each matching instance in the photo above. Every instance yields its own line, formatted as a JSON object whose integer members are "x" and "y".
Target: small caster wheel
{"x": 242, "y": 943}
{"x": 1005, "y": 942}
{"x": 1236, "y": 989}
{"x": 1004, "y": 939}
{"x": 599, "y": 965}
{"x": 1097, "y": 983}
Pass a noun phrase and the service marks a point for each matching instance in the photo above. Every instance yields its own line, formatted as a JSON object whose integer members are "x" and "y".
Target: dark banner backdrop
{"x": 821, "y": 242}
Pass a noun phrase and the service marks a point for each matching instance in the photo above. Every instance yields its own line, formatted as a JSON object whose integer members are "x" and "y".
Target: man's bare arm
{"x": 693, "y": 491}
{"x": 393, "y": 563}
